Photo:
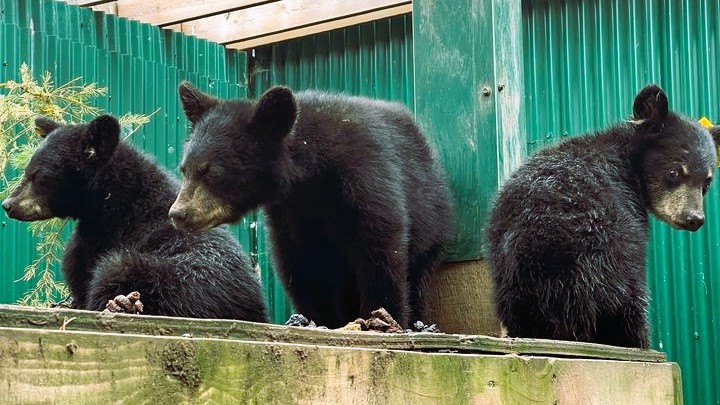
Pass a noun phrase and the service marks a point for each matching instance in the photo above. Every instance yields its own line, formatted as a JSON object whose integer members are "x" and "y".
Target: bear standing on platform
{"x": 356, "y": 202}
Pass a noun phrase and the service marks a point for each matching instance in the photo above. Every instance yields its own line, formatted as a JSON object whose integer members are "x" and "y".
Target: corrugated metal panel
{"x": 469, "y": 81}
{"x": 372, "y": 59}
{"x": 140, "y": 65}
{"x": 585, "y": 61}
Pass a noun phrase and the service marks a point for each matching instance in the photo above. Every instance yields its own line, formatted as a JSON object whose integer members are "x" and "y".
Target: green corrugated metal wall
{"x": 585, "y": 61}
{"x": 141, "y": 66}
{"x": 373, "y": 59}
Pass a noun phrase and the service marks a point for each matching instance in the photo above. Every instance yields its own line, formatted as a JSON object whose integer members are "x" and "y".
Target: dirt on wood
{"x": 380, "y": 320}
{"x": 129, "y": 304}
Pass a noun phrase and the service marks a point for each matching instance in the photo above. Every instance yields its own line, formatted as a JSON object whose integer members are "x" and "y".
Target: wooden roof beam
{"x": 286, "y": 19}
{"x": 167, "y": 12}
{"x": 87, "y": 3}
{"x": 322, "y": 27}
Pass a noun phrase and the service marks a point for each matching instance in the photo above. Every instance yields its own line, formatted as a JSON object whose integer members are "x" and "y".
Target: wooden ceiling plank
{"x": 107, "y": 8}
{"x": 280, "y": 16}
{"x": 168, "y": 12}
{"x": 87, "y": 3}
{"x": 322, "y": 27}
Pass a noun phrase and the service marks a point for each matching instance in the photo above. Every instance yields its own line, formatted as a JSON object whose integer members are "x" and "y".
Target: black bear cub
{"x": 357, "y": 205}
{"x": 123, "y": 239}
{"x": 568, "y": 230}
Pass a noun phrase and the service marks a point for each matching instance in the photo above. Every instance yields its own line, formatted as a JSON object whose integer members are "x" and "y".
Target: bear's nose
{"x": 177, "y": 214}
{"x": 7, "y": 204}
{"x": 694, "y": 221}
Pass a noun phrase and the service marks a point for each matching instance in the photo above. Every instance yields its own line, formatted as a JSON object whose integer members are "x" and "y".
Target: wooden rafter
{"x": 161, "y": 13}
{"x": 283, "y": 16}
{"x": 243, "y": 24}
{"x": 320, "y": 27}
{"x": 88, "y": 3}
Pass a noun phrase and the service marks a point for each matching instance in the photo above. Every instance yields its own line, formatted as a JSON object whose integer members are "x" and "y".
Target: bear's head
{"x": 676, "y": 159}
{"x": 233, "y": 159}
{"x": 57, "y": 175}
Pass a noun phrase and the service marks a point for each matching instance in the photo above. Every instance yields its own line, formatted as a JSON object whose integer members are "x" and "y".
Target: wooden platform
{"x": 80, "y": 357}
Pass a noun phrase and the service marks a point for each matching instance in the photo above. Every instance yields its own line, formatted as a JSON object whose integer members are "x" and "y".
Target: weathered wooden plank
{"x": 322, "y": 27}
{"x": 87, "y": 3}
{"x": 54, "y": 319}
{"x": 164, "y": 12}
{"x": 272, "y": 18}
{"x": 462, "y": 296}
{"x": 61, "y": 367}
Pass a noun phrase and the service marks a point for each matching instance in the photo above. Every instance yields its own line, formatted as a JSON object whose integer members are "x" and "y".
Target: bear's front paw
{"x": 129, "y": 304}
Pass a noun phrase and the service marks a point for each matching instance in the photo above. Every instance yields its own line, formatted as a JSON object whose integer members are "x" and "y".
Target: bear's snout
{"x": 23, "y": 208}
{"x": 8, "y": 204}
{"x": 177, "y": 214}
{"x": 692, "y": 221}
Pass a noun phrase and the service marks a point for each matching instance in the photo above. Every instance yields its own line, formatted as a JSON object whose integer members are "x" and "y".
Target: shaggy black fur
{"x": 357, "y": 204}
{"x": 568, "y": 231}
{"x": 123, "y": 240}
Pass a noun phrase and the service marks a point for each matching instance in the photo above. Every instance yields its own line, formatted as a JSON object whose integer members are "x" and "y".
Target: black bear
{"x": 568, "y": 231}
{"x": 123, "y": 239}
{"x": 357, "y": 205}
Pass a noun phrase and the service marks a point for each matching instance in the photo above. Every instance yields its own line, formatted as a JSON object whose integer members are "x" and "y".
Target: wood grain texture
{"x": 322, "y": 27}
{"x": 62, "y": 367}
{"x": 163, "y": 12}
{"x": 276, "y": 17}
{"x": 461, "y": 299}
{"x": 74, "y": 320}
{"x": 87, "y": 3}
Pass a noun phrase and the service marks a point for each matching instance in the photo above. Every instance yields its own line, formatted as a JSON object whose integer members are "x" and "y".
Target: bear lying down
{"x": 123, "y": 240}
{"x": 568, "y": 230}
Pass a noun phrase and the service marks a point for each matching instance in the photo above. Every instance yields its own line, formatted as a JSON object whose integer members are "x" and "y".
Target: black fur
{"x": 357, "y": 205}
{"x": 123, "y": 240}
{"x": 568, "y": 231}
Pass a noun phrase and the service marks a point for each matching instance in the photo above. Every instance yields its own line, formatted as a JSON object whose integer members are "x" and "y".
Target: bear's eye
{"x": 32, "y": 175}
{"x": 706, "y": 186}
{"x": 673, "y": 174}
{"x": 202, "y": 170}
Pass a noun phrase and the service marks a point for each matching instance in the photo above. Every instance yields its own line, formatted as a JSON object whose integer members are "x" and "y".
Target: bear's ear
{"x": 651, "y": 104}
{"x": 715, "y": 132}
{"x": 195, "y": 103}
{"x": 45, "y": 125}
{"x": 104, "y": 134}
{"x": 275, "y": 112}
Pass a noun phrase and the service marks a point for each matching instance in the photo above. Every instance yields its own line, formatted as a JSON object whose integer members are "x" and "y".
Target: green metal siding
{"x": 141, "y": 66}
{"x": 468, "y": 87}
{"x": 584, "y": 63}
{"x": 373, "y": 59}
